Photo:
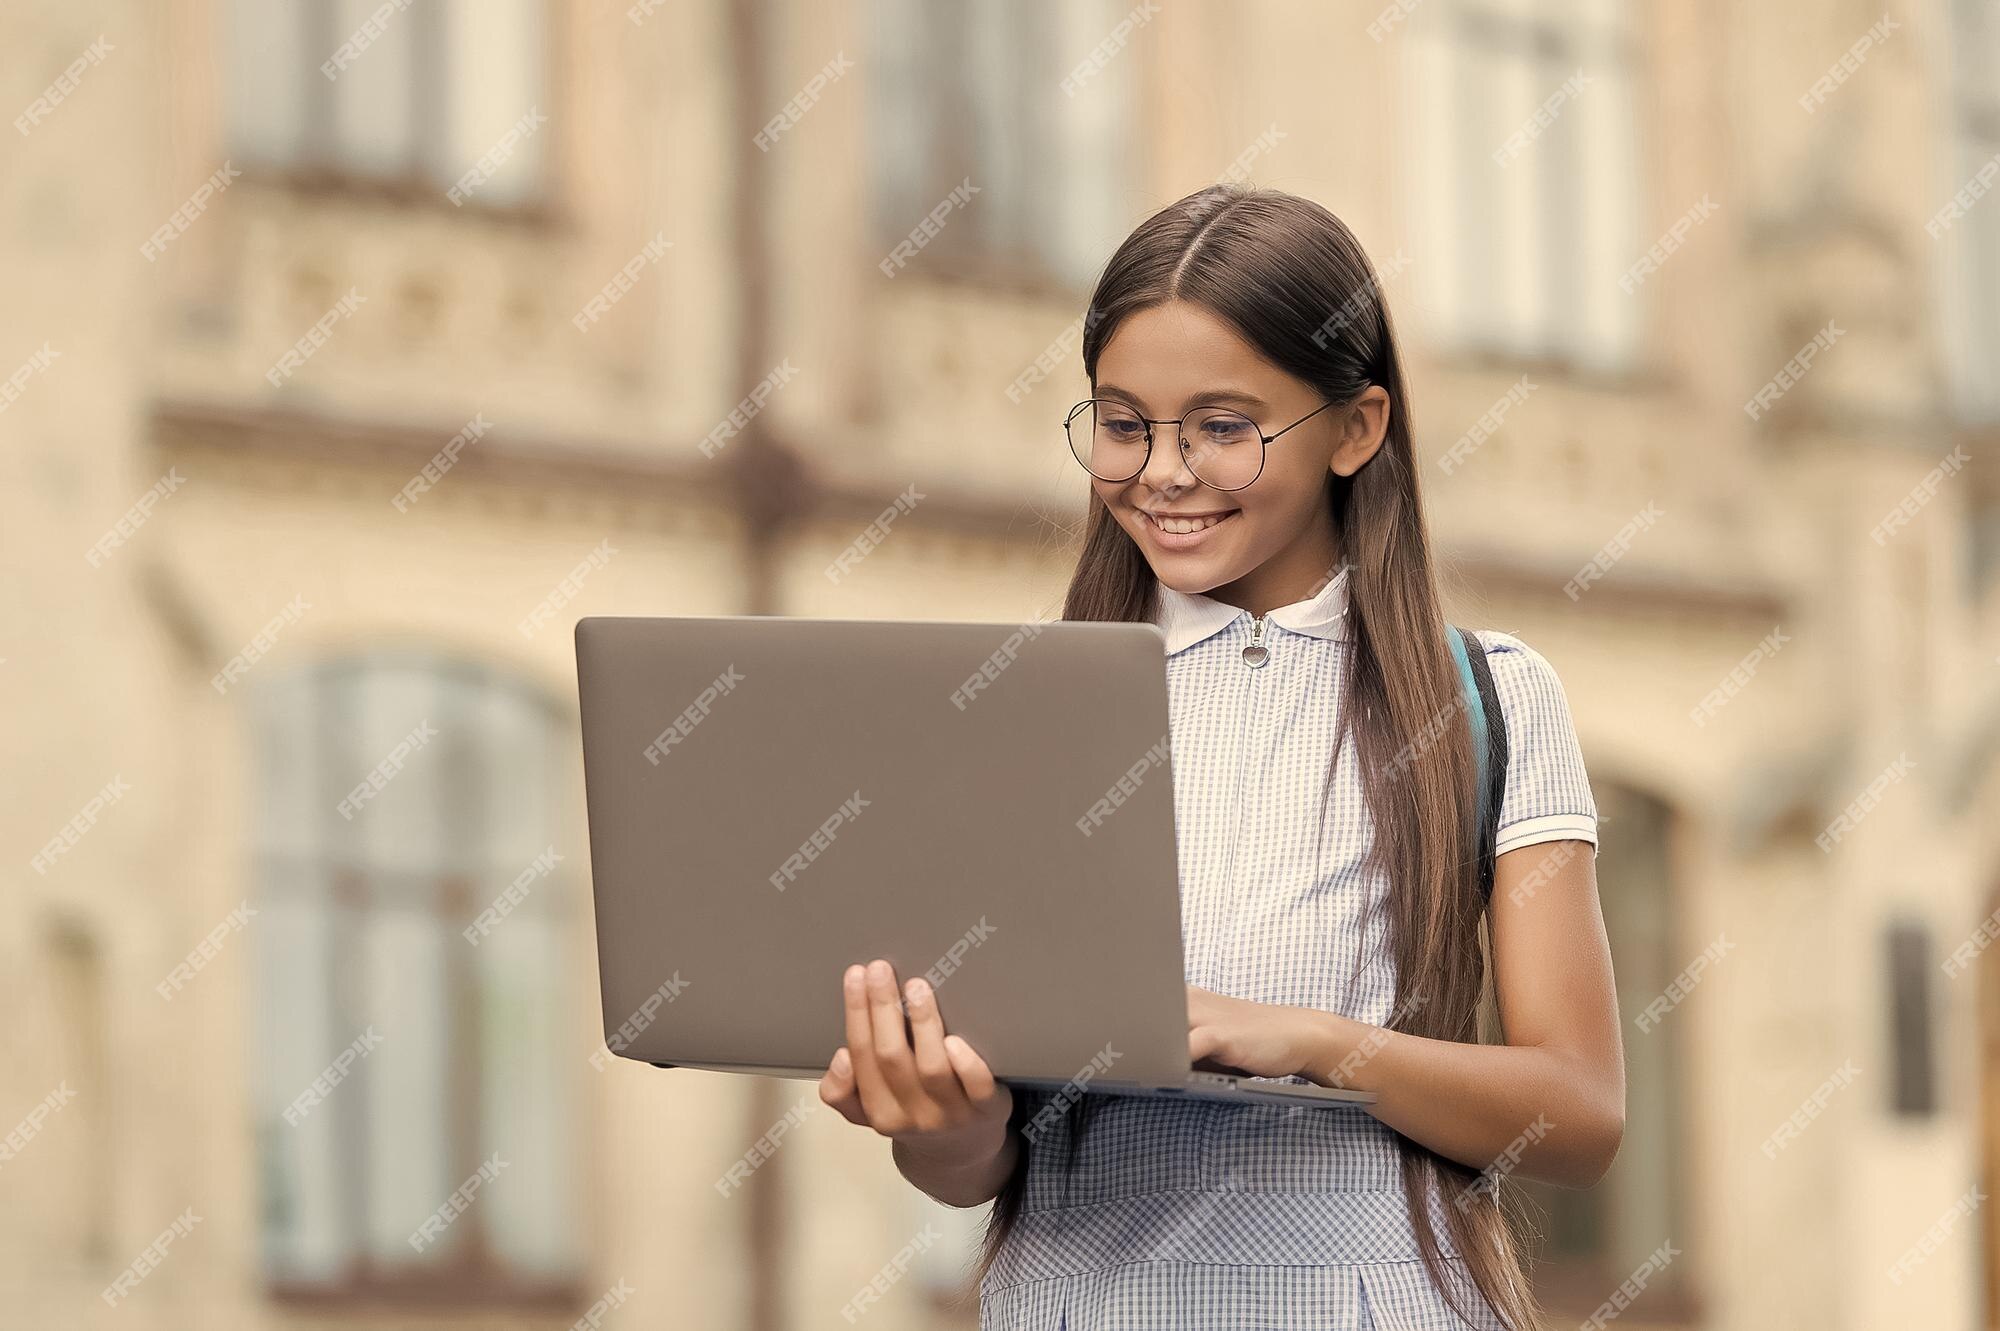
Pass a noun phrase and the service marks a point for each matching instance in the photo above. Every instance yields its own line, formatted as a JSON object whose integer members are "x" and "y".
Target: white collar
{"x": 1187, "y": 618}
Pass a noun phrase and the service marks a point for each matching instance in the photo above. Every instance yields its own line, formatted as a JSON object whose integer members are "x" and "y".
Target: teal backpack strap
{"x": 1489, "y": 744}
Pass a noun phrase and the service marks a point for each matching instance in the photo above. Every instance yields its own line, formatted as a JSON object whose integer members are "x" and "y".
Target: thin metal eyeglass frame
{"x": 1180, "y": 438}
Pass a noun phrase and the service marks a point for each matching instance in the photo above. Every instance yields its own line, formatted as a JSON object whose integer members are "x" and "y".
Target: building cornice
{"x": 575, "y": 469}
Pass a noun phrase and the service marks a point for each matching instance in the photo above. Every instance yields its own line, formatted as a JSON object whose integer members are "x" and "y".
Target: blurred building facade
{"x": 354, "y": 350}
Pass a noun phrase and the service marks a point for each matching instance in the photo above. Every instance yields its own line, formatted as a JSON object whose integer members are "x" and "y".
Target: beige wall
{"x": 105, "y": 670}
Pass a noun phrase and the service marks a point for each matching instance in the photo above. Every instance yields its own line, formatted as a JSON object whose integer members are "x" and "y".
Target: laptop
{"x": 986, "y": 805}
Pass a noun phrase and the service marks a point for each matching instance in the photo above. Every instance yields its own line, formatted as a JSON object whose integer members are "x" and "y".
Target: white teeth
{"x": 1184, "y": 526}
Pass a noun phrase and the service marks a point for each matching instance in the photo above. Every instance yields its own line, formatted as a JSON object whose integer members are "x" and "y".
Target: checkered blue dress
{"x": 1190, "y": 1215}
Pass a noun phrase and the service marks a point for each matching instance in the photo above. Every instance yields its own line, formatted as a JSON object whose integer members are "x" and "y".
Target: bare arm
{"x": 1547, "y": 1104}
{"x": 955, "y": 1183}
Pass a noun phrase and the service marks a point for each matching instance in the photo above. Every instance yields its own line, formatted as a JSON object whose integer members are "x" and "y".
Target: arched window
{"x": 406, "y": 1041}
{"x": 1596, "y": 1237}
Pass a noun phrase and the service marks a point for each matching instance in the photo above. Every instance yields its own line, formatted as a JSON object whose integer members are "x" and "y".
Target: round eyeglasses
{"x": 1224, "y": 449}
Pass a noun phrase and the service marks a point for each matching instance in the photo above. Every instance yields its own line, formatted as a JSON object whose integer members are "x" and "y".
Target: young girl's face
{"x": 1271, "y": 541}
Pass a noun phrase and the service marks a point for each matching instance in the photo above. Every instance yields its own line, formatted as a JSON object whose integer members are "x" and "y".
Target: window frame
{"x": 1476, "y": 333}
{"x": 317, "y": 170}
{"x": 967, "y": 253}
{"x": 1973, "y": 111}
{"x": 468, "y": 1273}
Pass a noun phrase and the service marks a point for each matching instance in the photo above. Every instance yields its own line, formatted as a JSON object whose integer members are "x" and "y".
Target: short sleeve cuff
{"x": 1554, "y": 827}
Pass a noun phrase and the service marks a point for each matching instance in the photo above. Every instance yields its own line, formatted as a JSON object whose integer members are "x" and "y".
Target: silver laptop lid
{"x": 771, "y": 799}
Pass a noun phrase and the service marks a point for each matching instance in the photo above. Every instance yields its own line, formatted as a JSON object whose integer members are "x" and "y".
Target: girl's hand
{"x": 1252, "y": 1039}
{"x": 926, "y": 1091}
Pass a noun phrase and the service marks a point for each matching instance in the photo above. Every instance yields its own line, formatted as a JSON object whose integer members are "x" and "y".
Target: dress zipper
{"x": 1256, "y": 653}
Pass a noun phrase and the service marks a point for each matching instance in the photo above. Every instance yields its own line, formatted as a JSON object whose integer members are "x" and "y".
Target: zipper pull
{"x": 1256, "y": 653}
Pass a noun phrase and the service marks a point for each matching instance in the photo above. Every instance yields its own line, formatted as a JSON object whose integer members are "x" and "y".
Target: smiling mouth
{"x": 1186, "y": 526}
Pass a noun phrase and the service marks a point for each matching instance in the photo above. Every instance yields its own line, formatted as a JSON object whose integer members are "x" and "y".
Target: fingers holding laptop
{"x": 914, "y": 1083}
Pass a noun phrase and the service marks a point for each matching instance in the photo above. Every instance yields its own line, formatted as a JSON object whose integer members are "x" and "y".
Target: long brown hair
{"x": 1291, "y": 279}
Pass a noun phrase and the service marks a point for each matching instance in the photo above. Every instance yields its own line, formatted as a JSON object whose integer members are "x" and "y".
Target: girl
{"x": 1255, "y": 495}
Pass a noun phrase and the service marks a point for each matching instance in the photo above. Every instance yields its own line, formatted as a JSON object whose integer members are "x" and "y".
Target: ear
{"x": 1363, "y": 425}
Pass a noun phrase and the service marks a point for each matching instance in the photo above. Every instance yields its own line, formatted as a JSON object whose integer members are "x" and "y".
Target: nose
{"x": 1166, "y": 471}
